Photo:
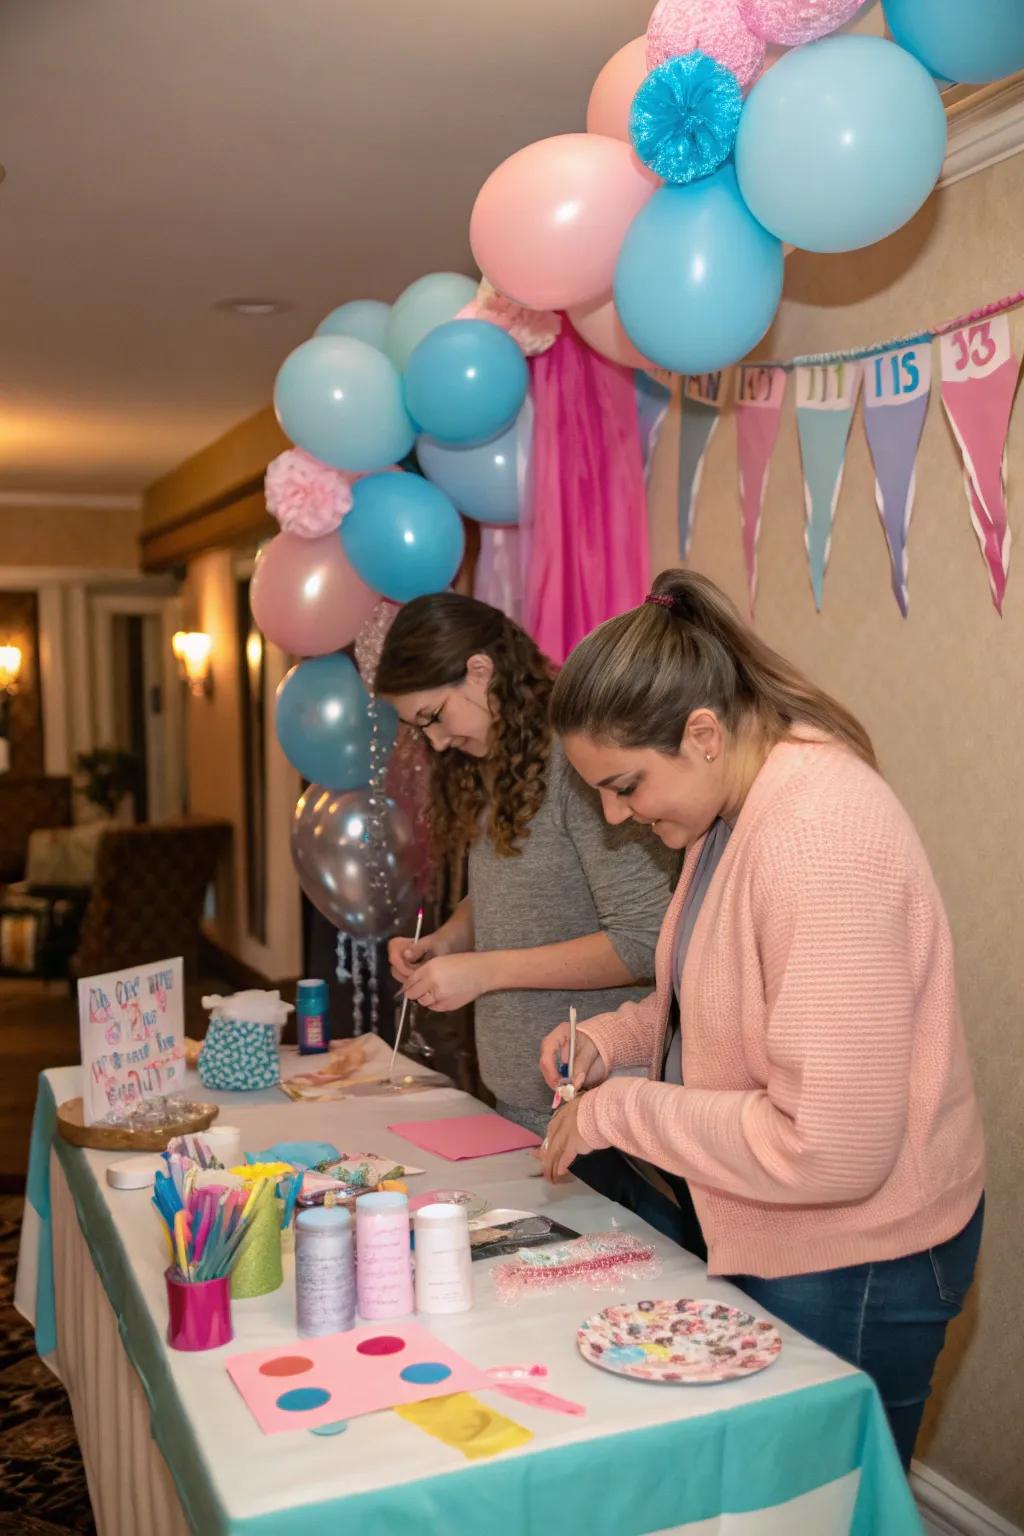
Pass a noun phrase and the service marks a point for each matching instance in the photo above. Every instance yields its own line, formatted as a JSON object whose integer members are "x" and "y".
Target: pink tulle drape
{"x": 587, "y": 515}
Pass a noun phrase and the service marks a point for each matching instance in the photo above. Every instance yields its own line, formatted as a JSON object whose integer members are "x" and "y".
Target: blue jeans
{"x": 889, "y": 1318}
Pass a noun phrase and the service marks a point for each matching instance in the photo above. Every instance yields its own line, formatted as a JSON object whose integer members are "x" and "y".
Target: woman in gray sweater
{"x": 561, "y": 908}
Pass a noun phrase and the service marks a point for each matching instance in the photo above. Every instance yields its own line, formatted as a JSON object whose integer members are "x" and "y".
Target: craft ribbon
{"x": 897, "y": 386}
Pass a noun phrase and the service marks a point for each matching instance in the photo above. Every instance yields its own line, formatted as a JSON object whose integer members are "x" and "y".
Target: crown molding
{"x": 984, "y": 128}
{"x": 71, "y": 500}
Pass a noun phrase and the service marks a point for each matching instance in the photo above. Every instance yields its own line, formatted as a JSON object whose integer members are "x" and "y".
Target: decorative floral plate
{"x": 688, "y": 1342}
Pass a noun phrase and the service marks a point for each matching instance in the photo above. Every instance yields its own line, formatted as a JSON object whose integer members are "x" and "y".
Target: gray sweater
{"x": 575, "y": 875}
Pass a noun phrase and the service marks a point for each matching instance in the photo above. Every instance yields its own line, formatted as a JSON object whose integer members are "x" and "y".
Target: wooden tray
{"x": 111, "y": 1138}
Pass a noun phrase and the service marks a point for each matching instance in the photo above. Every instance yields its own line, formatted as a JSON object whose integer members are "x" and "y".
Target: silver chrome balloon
{"x": 362, "y": 883}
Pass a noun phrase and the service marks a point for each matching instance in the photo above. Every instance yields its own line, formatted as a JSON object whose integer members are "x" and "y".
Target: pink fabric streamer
{"x": 979, "y": 381}
{"x": 588, "y": 512}
{"x": 498, "y": 578}
{"x": 759, "y": 396}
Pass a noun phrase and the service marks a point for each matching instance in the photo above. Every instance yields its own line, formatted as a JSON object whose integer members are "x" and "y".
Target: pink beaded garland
{"x": 791, "y": 22}
{"x": 716, "y": 27}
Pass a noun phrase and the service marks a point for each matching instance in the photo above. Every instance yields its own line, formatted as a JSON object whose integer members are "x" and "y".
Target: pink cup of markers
{"x": 199, "y": 1312}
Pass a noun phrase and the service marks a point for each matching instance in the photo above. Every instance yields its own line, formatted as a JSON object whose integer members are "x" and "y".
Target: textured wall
{"x": 941, "y": 693}
{"x": 102, "y": 538}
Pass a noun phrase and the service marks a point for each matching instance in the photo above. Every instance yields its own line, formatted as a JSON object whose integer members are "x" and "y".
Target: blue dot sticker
{"x": 337, "y": 1428}
{"x": 426, "y": 1373}
{"x": 301, "y": 1399}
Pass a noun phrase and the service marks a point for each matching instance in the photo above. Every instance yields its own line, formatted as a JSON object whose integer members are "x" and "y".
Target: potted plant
{"x": 107, "y": 775}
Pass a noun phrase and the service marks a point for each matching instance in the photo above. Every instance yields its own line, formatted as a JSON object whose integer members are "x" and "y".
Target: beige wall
{"x": 214, "y": 757}
{"x": 100, "y": 538}
{"x": 941, "y": 693}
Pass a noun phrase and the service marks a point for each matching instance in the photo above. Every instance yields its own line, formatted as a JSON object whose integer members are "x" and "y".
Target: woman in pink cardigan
{"x": 808, "y": 1081}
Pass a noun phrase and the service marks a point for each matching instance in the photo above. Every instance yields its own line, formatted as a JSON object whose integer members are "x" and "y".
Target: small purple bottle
{"x": 312, "y": 1017}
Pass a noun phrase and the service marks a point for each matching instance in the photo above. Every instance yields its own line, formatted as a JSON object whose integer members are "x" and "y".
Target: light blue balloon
{"x": 483, "y": 482}
{"x": 972, "y": 41}
{"x": 341, "y": 400}
{"x": 698, "y": 280}
{"x": 465, "y": 382}
{"x": 426, "y": 303}
{"x": 323, "y": 725}
{"x": 840, "y": 143}
{"x": 402, "y": 536}
{"x": 365, "y": 319}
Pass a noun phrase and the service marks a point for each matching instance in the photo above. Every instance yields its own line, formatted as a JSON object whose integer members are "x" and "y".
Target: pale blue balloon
{"x": 482, "y": 482}
{"x": 365, "y": 319}
{"x": 698, "y": 280}
{"x": 465, "y": 382}
{"x": 402, "y": 536}
{"x": 426, "y": 303}
{"x": 321, "y": 716}
{"x": 341, "y": 400}
{"x": 971, "y": 41}
{"x": 840, "y": 143}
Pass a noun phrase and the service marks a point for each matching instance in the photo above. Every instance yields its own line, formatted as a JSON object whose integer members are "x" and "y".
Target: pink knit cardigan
{"x": 829, "y": 1115}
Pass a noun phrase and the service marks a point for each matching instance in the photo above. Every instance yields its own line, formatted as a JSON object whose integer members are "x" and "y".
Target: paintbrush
{"x": 405, "y": 1006}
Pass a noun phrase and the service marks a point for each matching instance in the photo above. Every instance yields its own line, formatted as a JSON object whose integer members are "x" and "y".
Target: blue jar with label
{"x": 312, "y": 1017}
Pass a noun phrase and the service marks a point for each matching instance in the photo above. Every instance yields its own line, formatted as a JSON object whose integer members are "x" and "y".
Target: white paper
{"x": 132, "y": 1027}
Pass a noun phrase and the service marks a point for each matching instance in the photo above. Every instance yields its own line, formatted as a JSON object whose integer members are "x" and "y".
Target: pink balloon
{"x": 715, "y": 27}
{"x": 305, "y": 596}
{"x": 548, "y": 224}
{"x": 614, "y": 89}
{"x": 599, "y": 325}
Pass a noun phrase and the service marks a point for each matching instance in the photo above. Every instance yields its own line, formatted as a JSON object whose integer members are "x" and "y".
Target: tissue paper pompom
{"x": 307, "y": 498}
{"x": 684, "y": 117}
{"x": 791, "y": 22}
{"x": 715, "y": 27}
{"x": 534, "y": 329}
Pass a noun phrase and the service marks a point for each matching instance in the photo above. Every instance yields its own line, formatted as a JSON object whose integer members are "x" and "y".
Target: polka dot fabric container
{"x": 237, "y": 1055}
{"x": 685, "y": 1342}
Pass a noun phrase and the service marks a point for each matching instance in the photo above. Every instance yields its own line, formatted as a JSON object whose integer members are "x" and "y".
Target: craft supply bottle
{"x": 444, "y": 1279}
{"x": 384, "y": 1263}
{"x": 312, "y": 1018}
{"x": 325, "y": 1272}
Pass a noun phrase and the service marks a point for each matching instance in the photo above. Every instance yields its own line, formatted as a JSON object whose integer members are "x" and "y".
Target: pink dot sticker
{"x": 286, "y": 1365}
{"x": 383, "y": 1344}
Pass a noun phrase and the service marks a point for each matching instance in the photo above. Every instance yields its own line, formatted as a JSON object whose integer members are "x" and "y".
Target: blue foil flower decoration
{"x": 684, "y": 117}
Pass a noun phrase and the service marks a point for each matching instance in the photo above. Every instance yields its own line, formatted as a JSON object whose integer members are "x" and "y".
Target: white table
{"x": 800, "y": 1450}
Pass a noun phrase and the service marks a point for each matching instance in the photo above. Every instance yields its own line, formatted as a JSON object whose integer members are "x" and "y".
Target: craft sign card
{"x": 132, "y": 1028}
{"x": 312, "y": 1382}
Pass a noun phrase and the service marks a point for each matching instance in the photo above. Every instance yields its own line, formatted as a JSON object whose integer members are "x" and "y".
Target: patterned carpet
{"x": 42, "y": 1482}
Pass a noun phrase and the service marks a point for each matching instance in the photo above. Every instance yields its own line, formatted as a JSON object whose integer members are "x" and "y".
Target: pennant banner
{"x": 897, "y": 384}
{"x": 826, "y": 396}
{"x": 652, "y": 402}
{"x": 702, "y": 408}
{"x": 979, "y": 380}
{"x": 759, "y": 395}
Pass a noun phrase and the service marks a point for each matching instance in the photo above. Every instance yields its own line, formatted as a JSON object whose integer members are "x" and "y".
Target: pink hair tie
{"x": 662, "y": 600}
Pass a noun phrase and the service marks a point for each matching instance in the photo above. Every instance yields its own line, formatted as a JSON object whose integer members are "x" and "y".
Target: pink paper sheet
{"x": 339, "y": 1379}
{"x": 467, "y": 1136}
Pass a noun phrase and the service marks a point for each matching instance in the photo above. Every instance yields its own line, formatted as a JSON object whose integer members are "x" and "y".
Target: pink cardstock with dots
{"x": 306, "y": 1383}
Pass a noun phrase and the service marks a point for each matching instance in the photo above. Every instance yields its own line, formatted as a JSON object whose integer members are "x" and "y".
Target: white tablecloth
{"x": 801, "y": 1449}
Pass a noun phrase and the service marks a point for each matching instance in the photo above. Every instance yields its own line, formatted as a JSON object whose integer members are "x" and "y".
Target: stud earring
{"x": 708, "y": 757}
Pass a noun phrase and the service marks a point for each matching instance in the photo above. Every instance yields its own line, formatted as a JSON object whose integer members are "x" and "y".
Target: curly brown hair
{"x": 429, "y": 645}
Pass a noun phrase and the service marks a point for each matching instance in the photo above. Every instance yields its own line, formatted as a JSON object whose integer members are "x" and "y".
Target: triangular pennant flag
{"x": 759, "y": 394}
{"x": 652, "y": 403}
{"x": 897, "y": 386}
{"x": 702, "y": 407}
{"x": 826, "y": 396}
{"x": 979, "y": 381}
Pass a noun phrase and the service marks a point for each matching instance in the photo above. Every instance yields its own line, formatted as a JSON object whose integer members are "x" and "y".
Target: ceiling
{"x": 164, "y": 154}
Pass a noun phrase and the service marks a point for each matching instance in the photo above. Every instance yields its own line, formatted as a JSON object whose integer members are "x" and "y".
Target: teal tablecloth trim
{"x": 37, "y": 1192}
{"x": 736, "y": 1461}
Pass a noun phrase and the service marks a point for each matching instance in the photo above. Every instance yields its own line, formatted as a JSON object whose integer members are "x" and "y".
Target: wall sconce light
{"x": 192, "y": 649}
{"x": 10, "y": 668}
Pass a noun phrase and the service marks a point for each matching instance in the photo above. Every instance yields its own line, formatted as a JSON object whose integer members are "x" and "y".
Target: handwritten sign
{"x": 132, "y": 1031}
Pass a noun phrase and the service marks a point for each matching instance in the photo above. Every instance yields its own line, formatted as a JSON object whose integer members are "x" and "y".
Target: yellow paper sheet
{"x": 466, "y": 1424}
